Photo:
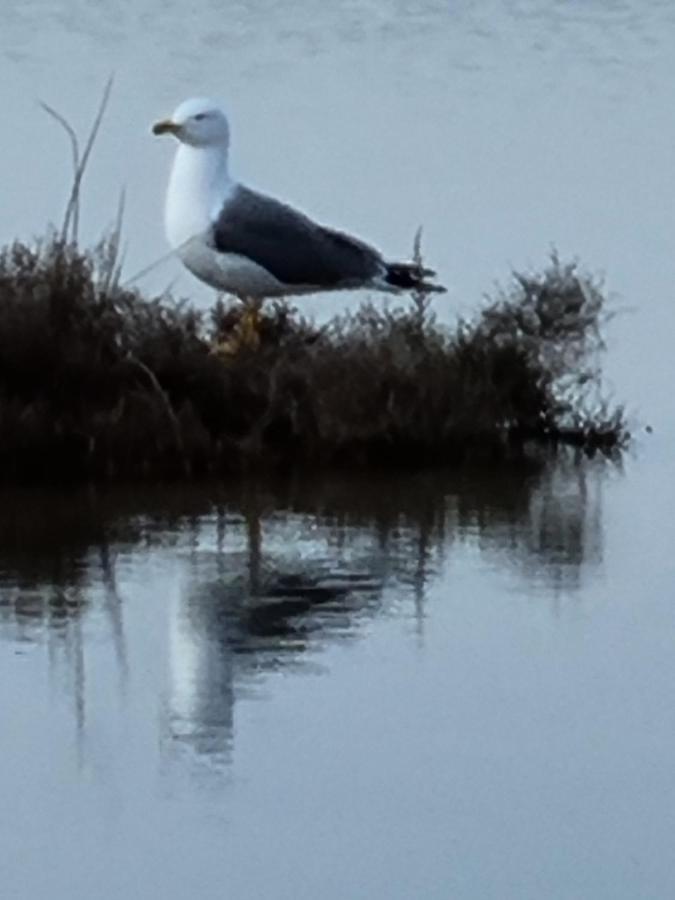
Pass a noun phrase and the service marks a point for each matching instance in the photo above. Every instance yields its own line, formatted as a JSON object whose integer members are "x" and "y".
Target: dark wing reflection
{"x": 235, "y": 623}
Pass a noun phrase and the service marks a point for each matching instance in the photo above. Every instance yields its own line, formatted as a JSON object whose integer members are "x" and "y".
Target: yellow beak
{"x": 166, "y": 126}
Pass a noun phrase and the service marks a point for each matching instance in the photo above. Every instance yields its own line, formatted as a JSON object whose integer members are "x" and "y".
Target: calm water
{"x": 426, "y": 686}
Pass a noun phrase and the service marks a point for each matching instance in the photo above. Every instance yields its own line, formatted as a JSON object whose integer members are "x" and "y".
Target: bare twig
{"x": 113, "y": 259}
{"x": 158, "y": 262}
{"x": 147, "y": 269}
{"x": 166, "y": 403}
{"x": 71, "y": 219}
{"x": 67, "y": 127}
{"x": 417, "y": 248}
{"x": 421, "y": 298}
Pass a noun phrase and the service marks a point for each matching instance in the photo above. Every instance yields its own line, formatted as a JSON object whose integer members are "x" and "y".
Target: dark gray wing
{"x": 289, "y": 245}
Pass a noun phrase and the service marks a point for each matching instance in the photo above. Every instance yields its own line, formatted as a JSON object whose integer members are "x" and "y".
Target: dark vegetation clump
{"x": 97, "y": 381}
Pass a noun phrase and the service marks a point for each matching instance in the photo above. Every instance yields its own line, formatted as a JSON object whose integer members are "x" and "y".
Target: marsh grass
{"x": 97, "y": 381}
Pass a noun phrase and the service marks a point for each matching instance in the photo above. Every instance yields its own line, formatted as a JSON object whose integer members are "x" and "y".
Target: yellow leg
{"x": 245, "y": 334}
{"x": 249, "y": 324}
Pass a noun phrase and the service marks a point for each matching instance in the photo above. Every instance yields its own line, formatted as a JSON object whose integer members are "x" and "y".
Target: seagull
{"x": 250, "y": 245}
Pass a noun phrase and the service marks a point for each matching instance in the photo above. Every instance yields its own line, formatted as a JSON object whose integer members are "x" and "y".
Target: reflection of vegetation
{"x": 273, "y": 570}
{"x": 95, "y": 380}
{"x": 66, "y": 542}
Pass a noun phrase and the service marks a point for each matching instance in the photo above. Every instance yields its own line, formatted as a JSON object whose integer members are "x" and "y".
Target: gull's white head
{"x": 198, "y": 122}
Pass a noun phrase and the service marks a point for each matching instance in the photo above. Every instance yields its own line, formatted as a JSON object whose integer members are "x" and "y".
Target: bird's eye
{"x": 199, "y": 117}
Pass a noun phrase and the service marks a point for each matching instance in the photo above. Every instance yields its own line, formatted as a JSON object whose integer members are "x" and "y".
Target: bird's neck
{"x": 198, "y": 186}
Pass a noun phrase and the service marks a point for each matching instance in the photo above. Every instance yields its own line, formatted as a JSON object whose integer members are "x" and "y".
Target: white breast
{"x": 198, "y": 186}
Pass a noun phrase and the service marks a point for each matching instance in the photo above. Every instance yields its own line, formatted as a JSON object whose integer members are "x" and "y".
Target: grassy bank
{"x": 97, "y": 381}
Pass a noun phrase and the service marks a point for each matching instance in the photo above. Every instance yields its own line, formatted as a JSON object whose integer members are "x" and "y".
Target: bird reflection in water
{"x": 256, "y": 611}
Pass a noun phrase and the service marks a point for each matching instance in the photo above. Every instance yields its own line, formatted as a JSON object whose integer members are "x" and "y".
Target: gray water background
{"x": 435, "y": 685}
